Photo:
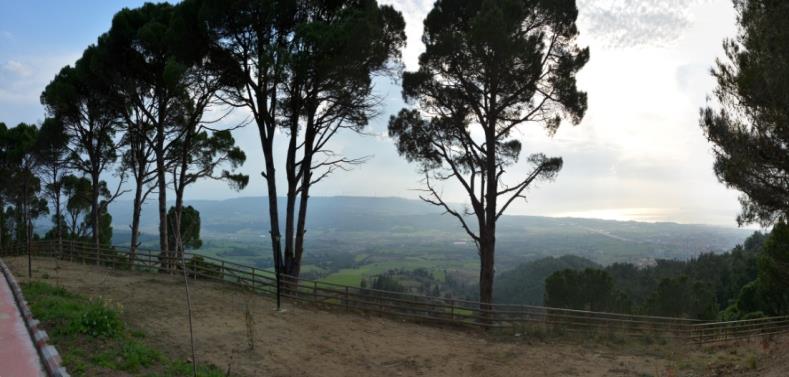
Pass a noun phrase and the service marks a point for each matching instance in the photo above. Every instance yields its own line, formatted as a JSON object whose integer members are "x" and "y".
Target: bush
{"x": 100, "y": 321}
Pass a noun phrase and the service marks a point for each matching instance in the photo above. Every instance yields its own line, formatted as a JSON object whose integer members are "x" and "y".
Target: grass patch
{"x": 93, "y": 339}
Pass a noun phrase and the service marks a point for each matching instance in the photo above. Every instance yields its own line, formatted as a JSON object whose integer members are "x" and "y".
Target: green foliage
{"x": 705, "y": 287}
{"x": 131, "y": 357}
{"x": 316, "y": 60}
{"x": 76, "y": 218}
{"x": 387, "y": 283}
{"x": 79, "y": 98}
{"x": 773, "y": 277}
{"x": 72, "y": 314}
{"x": 100, "y": 321}
{"x": 590, "y": 289}
{"x": 190, "y": 227}
{"x": 20, "y": 185}
{"x": 93, "y": 340}
{"x": 682, "y": 298}
{"x": 489, "y": 67}
{"x": 768, "y": 293}
{"x": 525, "y": 284}
{"x": 750, "y": 129}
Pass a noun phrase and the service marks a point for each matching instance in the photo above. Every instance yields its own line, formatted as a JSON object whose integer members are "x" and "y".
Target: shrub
{"x": 100, "y": 321}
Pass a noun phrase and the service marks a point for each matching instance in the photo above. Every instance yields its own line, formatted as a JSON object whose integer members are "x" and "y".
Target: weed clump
{"x": 100, "y": 321}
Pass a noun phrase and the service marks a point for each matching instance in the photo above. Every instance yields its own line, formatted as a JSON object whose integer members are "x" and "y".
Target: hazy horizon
{"x": 642, "y": 215}
{"x": 637, "y": 155}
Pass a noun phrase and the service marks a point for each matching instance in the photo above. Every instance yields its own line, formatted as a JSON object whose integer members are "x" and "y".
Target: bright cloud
{"x": 18, "y": 69}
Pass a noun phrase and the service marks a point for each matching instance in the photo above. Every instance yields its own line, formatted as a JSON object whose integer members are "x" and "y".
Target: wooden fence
{"x": 516, "y": 318}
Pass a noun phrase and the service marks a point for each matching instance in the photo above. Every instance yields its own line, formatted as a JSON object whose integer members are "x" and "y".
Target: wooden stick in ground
{"x": 179, "y": 243}
{"x": 189, "y": 313}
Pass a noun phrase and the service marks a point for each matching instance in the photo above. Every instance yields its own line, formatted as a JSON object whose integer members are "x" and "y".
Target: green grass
{"x": 91, "y": 336}
{"x": 353, "y": 276}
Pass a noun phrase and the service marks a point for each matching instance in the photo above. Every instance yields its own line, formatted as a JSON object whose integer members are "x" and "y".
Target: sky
{"x": 638, "y": 154}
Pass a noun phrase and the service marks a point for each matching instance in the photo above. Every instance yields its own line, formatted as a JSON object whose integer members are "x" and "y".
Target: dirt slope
{"x": 307, "y": 341}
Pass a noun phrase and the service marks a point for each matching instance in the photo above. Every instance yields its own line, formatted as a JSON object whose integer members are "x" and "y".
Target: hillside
{"x": 309, "y": 341}
{"x": 525, "y": 284}
{"x": 236, "y": 229}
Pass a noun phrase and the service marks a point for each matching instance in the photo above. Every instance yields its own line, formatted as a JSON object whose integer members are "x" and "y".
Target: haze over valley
{"x": 364, "y": 236}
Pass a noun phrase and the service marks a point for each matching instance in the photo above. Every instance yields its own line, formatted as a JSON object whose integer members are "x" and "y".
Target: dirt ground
{"x": 309, "y": 341}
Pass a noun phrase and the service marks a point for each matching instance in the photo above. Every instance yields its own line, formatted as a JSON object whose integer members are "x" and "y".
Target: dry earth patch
{"x": 310, "y": 341}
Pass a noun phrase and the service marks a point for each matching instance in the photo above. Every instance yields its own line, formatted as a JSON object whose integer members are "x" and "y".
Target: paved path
{"x": 18, "y": 357}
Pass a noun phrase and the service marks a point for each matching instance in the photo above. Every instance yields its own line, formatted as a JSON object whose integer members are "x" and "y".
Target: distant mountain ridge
{"x": 325, "y": 210}
{"x": 346, "y": 223}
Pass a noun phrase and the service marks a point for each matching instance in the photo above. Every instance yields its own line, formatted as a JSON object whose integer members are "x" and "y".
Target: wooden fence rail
{"x": 404, "y": 305}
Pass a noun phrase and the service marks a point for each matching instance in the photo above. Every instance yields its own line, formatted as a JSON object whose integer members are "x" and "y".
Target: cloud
{"x": 414, "y": 12}
{"x": 21, "y": 81}
{"x": 627, "y": 23}
{"x": 614, "y": 23}
{"x": 18, "y": 69}
{"x": 6, "y": 35}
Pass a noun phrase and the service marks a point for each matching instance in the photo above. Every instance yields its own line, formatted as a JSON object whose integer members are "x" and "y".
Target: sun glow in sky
{"x": 638, "y": 154}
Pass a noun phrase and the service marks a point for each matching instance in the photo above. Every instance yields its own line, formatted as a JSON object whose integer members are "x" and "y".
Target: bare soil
{"x": 310, "y": 341}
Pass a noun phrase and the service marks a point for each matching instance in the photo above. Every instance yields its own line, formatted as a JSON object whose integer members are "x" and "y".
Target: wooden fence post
{"x": 347, "y": 302}
{"x": 253, "y": 279}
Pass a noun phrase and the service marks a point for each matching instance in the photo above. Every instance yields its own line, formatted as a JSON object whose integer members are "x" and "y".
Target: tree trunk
{"x": 486, "y": 273}
{"x": 179, "y": 242}
{"x": 487, "y": 247}
{"x": 29, "y": 225}
{"x": 94, "y": 211}
{"x": 300, "y": 231}
{"x": 135, "y": 226}
{"x": 177, "y": 232}
{"x": 58, "y": 222}
{"x": 290, "y": 171}
{"x": 289, "y": 232}
{"x": 305, "y": 196}
{"x": 273, "y": 210}
{"x": 24, "y": 221}
{"x": 166, "y": 262}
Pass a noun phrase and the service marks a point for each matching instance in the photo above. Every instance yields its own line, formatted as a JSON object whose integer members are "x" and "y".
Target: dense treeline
{"x": 146, "y": 105}
{"x": 135, "y": 104}
{"x": 746, "y": 282}
{"x": 747, "y": 126}
{"x": 525, "y": 283}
